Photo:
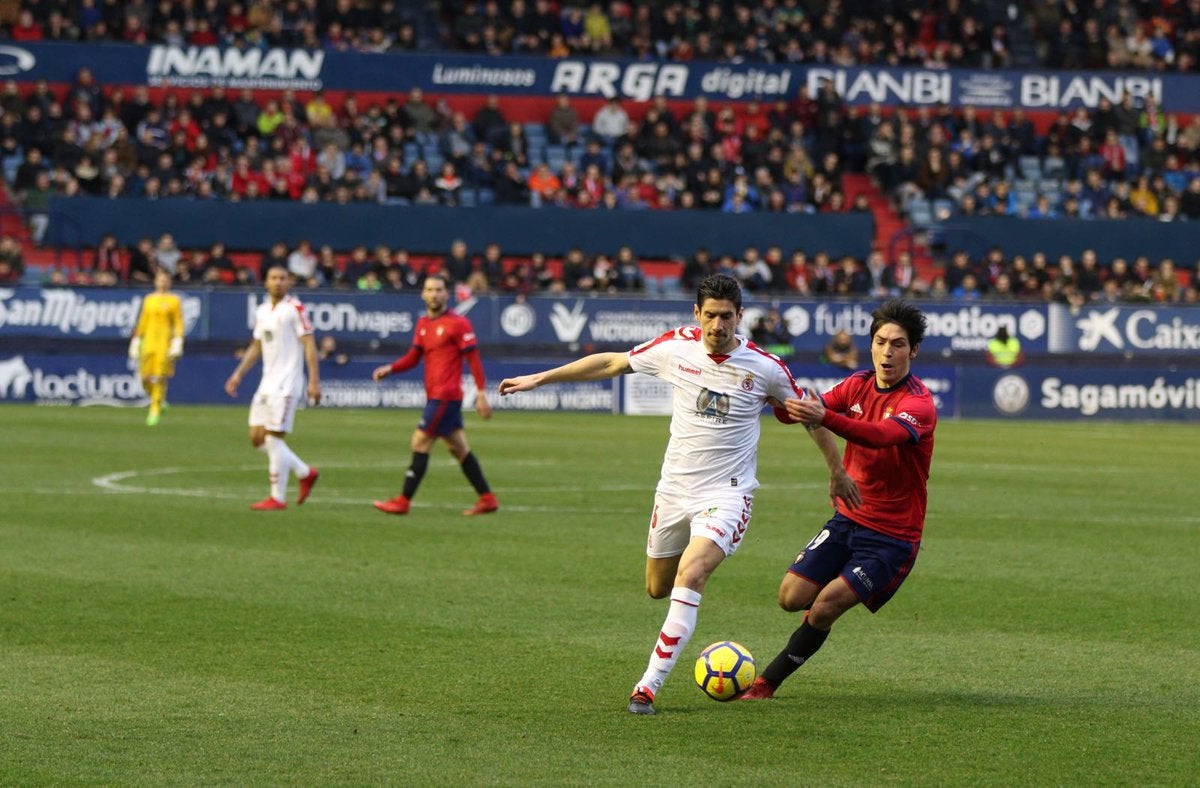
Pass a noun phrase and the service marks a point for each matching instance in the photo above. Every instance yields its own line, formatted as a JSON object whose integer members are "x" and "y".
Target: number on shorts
{"x": 817, "y": 540}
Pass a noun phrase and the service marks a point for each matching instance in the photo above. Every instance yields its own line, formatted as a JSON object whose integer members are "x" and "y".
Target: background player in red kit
{"x": 864, "y": 552}
{"x": 445, "y": 340}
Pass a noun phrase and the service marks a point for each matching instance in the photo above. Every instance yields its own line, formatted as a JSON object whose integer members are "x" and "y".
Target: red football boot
{"x": 268, "y": 505}
{"x": 306, "y": 484}
{"x": 486, "y": 504}
{"x": 397, "y": 505}
{"x": 759, "y": 690}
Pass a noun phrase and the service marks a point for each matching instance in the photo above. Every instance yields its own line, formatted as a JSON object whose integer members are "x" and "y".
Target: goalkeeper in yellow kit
{"x": 157, "y": 342}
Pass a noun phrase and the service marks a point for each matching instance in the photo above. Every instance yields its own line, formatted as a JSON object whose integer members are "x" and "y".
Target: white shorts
{"x": 275, "y": 412}
{"x": 722, "y": 519}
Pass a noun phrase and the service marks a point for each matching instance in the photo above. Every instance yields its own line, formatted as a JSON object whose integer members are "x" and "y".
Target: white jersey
{"x": 279, "y": 329}
{"x": 716, "y": 409}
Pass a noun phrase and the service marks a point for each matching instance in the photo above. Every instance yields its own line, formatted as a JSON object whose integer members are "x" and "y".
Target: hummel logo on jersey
{"x": 856, "y": 408}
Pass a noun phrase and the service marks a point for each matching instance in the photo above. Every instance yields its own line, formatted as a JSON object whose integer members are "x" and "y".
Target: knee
{"x": 793, "y": 602}
{"x": 657, "y": 590}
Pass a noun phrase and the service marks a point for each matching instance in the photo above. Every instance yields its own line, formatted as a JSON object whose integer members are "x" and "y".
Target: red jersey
{"x": 890, "y": 468}
{"x": 445, "y": 341}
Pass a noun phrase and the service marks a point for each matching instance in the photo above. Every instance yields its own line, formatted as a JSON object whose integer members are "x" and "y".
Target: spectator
{"x": 489, "y": 122}
{"x": 12, "y": 262}
{"x": 302, "y": 264}
{"x": 840, "y": 351}
{"x": 611, "y": 121}
{"x": 142, "y": 265}
{"x": 562, "y": 128}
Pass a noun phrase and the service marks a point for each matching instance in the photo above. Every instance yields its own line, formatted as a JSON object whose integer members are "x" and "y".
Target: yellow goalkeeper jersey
{"x": 160, "y": 320}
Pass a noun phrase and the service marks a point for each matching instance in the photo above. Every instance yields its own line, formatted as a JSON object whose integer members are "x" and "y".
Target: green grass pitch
{"x": 153, "y": 630}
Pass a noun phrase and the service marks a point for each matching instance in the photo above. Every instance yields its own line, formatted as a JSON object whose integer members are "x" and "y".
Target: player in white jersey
{"x": 702, "y": 503}
{"x": 283, "y": 338}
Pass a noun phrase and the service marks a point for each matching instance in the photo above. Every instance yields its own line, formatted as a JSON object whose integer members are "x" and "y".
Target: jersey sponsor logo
{"x": 712, "y": 405}
{"x": 911, "y": 419}
{"x": 688, "y": 370}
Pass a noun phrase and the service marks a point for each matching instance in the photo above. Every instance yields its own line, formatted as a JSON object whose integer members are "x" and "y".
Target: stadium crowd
{"x": 1068, "y": 34}
{"x": 1120, "y": 161}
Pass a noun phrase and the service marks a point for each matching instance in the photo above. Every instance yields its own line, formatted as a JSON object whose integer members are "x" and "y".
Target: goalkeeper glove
{"x": 135, "y": 348}
{"x": 176, "y": 348}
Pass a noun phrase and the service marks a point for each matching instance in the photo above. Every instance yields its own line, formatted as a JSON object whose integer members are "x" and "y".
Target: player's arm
{"x": 475, "y": 362}
{"x": 402, "y": 364}
{"x": 135, "y": 339}
{"x": 840, "y": 483}
{"x": 312, "y": 361}
{"x": 175, "y": 318}
{"x": 597, "y": 366}
{"x": 249, "y": 359}
{"x": 873, "y": 435}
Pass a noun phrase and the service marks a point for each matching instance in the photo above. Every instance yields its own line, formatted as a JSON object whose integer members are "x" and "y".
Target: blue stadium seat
{"x": 1030, "y": 167}
{"x": 467, "y": 198}
{"x": 535, "y": 131}
{"x": 412, "y": 151}
{"x": 487, "y": 197}
{"x": 919, "y": 212}
{"x": 1054, "y": 167}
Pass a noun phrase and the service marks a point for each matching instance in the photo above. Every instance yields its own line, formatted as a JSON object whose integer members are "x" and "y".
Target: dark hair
{"x": 903, "y": 314}
{"x": 720, "y": 287}
{"x": 443, "y": 278}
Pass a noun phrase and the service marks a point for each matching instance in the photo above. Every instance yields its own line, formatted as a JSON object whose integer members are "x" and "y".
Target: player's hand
{"x": 176, "y": 348}
{"x": 135, "y": 349}
{"x": 314, "y": 392}
{"x": 842, "y": 486}
{"x": 810, "y": 410}
{"x": 231, "y": 385}
{"x": 381, "y": 372}
{"x": 520, "y": 383}
{"x": 482, "y": 406}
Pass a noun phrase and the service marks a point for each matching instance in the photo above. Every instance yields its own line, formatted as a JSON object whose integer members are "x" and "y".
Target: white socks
{"x": 280, "y": 460}
{"x": 676, "y": 632}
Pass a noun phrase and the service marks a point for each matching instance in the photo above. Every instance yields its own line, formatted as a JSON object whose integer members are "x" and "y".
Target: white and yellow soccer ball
{"x": 725, "y": 670}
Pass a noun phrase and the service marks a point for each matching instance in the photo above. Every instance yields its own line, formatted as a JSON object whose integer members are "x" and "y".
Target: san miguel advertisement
{"x": 448, "y": 73}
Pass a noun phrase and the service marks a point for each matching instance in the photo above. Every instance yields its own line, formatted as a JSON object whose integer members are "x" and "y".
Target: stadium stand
{"x": 916, "y": 171}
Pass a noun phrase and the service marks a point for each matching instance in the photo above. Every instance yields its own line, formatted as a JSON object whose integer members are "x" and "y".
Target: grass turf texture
{"x": 154, "y": 630}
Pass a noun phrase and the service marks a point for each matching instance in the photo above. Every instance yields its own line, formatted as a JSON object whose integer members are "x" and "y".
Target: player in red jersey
{"x": 863, "y": 554}
{"x": 445, "y": 340}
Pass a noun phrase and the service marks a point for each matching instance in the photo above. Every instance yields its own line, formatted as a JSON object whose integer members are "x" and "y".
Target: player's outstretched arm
{"x": 249, "y": 358}
{"x": 597, "y": 366}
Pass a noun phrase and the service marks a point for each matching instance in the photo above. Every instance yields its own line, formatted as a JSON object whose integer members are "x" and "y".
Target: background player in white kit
{"x": 703, "y": 499}
{"x": 283, "y": 337}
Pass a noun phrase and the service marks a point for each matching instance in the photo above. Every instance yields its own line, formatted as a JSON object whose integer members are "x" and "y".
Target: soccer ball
{"x": 725, "y": 670}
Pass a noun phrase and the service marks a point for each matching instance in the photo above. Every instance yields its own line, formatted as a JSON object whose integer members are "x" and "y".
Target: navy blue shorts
{"x": 874, "y": 564}
{"x": 441, "y": 417}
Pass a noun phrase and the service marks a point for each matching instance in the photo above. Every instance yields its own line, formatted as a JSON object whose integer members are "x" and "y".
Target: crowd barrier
{"x": 518, "y": 229}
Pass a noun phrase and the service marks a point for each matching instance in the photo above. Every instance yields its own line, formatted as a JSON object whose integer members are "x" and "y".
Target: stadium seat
{"x": 487, "y": 197}
{"x": 467, "y": 198}
{"x": 919, "y": 212}
{"x": 1030, "y": 167}
{"x": 1054, "y": 167}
